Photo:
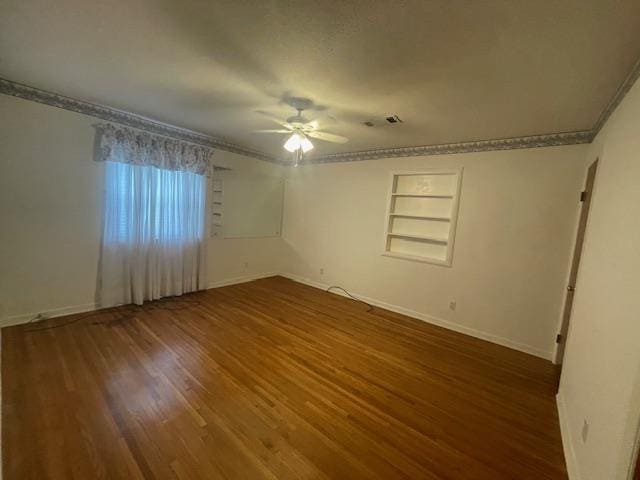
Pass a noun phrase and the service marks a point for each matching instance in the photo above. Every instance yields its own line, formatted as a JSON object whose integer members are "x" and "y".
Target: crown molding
{"x": 136, "y": 121}
{"x": 534, "y": 141}
{"x": 617, "y": 98}
{"x": 109, "y": 114}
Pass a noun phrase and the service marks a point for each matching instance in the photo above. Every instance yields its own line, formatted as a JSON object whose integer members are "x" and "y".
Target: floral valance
{"x": 117, "y": 143}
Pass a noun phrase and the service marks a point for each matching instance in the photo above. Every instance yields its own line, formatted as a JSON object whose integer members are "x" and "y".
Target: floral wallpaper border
{"x": 124, "y": 118}
{"x": 617, "y": 98}
{"x": 536, "y": 141}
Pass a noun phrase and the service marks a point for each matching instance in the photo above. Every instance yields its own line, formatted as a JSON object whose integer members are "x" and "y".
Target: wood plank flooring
{"x": 270, "y": 380}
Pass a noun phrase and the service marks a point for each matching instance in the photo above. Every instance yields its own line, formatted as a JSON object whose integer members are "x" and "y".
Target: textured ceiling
{"x": 452, "y": 70}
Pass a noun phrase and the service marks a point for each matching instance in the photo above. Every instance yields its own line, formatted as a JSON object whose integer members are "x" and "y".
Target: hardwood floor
{"x": 271, "y": 380}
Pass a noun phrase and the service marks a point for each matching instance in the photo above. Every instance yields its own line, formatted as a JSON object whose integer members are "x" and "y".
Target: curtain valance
{"x": 117, "y": 143}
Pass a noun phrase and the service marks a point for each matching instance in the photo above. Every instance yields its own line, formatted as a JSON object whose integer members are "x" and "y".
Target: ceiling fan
{"x": 301, "y": 129}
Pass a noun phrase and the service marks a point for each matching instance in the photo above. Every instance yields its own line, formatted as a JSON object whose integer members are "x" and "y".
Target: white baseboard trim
{"x": 54, "y": 312}
{"x": 505, "y": 342}
{"x": 89, "y": 307}
{"x": 243, "y": 279}
{"x": 567, "y": 444}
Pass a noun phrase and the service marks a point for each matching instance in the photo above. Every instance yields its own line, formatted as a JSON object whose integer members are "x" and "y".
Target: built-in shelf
{"x": 415, "y": 258}
{"x": 425, "y": 195}
{"x": 217, "y": 202}
{"x": 424, "y": 217}
{"x": 423, "y": 229}
{"x": 426, "y": 238}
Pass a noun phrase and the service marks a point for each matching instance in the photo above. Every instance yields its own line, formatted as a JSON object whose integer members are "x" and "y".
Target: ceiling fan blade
{"x": 273, "y": 118}
{"x": 325, "y": 119}
{"x": 270, "y": 115}
{"x": 313, "y": 124}
{"x": 327, "y": 137}
{"x": 272, "y": 131}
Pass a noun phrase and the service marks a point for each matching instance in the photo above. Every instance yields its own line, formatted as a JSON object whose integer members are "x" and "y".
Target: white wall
{"x": 233, "y": 259}
{"x": 516, "y": 224}
{"x": 601, "y": 373}
{"x": 50, "y": 204}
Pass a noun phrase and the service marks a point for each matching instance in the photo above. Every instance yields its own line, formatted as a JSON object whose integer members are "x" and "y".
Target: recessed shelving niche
{"x": 421, "y": 216}
{"x": 217, "y": 206}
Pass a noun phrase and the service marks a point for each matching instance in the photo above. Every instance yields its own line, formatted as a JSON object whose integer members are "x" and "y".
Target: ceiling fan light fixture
{"x": 306, "y": 144}
{"x": 293, "y": 143}
{"x": 298, "y": 141}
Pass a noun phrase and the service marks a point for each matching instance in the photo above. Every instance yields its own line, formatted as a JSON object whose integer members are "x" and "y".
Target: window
{"x": 145, "y": 205}
{"x": 153, "y": 238}
{"x": 421, "y": 217}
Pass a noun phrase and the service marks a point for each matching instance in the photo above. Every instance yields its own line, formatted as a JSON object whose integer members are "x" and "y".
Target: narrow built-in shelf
{"x": 415, "y": 258}
{"x": 427, "y": 207}
{"x": 217, "y": 206}
{"x": 425, "y": 195}
{"x": 419, "y": 237}
{"x": 423, "y": 217}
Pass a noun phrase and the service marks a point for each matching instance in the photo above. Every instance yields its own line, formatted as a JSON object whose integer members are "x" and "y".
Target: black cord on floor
{"x": 125, "y": 312}
{"x": 351, "y": 296}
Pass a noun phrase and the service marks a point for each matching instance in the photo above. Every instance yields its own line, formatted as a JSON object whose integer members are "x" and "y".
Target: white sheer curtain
{"x": 153, "y": 234}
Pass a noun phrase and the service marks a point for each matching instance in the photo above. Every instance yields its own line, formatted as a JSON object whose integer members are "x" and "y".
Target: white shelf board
{"x": 415, "y": 258}
{"x": 423, "y": 217}
{"x": 419, "y": 237}
{"x": 422, "y": 195}
{"x": 422, "y": 173}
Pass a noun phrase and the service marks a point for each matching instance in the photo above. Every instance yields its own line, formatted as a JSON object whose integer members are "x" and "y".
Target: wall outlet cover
{"x": 585, "y": 431}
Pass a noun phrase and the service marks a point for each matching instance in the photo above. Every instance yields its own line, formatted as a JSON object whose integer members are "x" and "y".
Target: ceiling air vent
{"x": 390, "y": 119}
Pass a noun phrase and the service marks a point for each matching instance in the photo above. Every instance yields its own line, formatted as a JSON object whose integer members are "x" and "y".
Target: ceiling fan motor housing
{"x": 297, "y": 119}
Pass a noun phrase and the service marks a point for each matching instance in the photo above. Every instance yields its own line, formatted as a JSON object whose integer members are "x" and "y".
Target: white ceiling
{"x": 453, "y": 70}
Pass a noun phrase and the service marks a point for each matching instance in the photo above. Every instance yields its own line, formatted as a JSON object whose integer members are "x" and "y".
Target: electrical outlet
{"x": 246, "y": 264}
{"x": 322, "y": 271}
{"x": 585, "y": 431}
{"x": 452, "y": 305}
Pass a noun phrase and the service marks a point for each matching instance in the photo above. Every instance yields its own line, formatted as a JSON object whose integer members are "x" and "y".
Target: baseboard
{"x": 567, "y": 444}
{"x": 505, "y": 342}
{"x": 54, "y": 312}
{"x": 243, "y": 279}
{"x": 89, "y": 307}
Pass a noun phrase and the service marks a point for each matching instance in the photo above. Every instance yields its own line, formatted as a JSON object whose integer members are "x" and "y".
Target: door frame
{"x": 585, "y": 198}
{"x": 634, "y": 468}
